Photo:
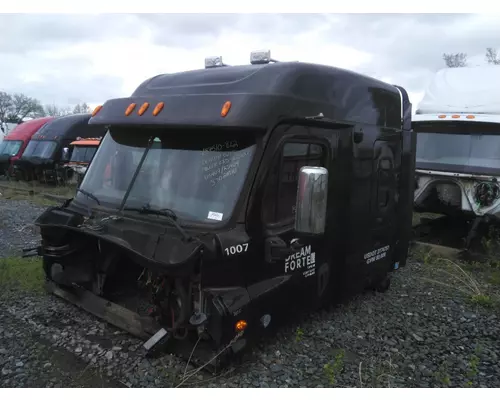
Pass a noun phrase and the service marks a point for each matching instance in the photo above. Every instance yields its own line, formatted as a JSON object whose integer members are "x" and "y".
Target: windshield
{"x": 197, "y": 174}
{"x": 473, "y": 148}
{"x": 40, "y": 148}
{"x": 10, "y": 147}
{"x": 83, "y": 153}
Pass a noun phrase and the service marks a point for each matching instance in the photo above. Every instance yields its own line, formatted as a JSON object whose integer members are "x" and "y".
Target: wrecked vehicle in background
{"x": 458, "y": 145}
{"x": 47, "y": 153}
{"x": 14, "y": 144}
{"x": 82, "y": 152}
{"x": 221, "y": 198}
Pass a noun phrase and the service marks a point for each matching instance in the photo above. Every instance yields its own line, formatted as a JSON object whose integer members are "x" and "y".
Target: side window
{"x": 281, "y": 187}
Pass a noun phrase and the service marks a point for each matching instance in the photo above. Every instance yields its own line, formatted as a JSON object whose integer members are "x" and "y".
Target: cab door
{"x": 292, "y": 269}
{"x": 384, "y": 204}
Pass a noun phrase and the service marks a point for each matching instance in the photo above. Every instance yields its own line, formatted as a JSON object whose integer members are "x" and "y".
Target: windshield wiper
{"x": 165, "y": 212}
{"x": 88, "y": 194}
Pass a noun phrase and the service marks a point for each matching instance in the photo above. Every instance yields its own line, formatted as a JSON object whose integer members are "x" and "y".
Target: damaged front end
{"x": 453, "y": 193}
{"x": 457, "y": 170}
{"x": 143, "y": 278}
{"x": 120, "y": 251}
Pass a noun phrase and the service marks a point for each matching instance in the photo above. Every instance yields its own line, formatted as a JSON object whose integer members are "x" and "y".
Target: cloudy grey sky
{"x": 65, "y": 59}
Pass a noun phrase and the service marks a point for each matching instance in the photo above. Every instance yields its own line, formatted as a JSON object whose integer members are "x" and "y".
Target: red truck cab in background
{"x": 13, "y": 145}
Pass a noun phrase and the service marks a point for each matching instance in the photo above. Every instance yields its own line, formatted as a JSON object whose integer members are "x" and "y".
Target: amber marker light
{"x": 96, "y": 110}
{"x": 158, "y": 108}
{"x": 143, "y": 108}
{"x": 129, "y": 109}
{"x": 225, "y": 109}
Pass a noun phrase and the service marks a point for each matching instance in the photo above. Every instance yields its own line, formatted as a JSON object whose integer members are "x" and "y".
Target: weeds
{"x": 473, "y": 370}
{"x": 299, "y": 334}
{"x": 35, "y": 192}
{"x": 494, "y": 278}
{"x": 491, "y": 241}
{"x": 460, "y": 278}
{"x": 442, "y": 374}
{"x": 376, "y": 373}
{"x": 334, "y": 368}
{"x": 467, "y": 284}
{"x": 34, "y": 198}
{"x": 483, "y": 300}
{"x": 24, "y": 274}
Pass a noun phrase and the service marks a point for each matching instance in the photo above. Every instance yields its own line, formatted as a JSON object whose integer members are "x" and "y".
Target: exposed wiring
{"x": 486, "y": 193}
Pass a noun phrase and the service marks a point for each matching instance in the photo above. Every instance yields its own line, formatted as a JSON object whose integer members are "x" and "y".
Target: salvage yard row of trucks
{"x": 223, "y": 197}
{"x": 49, "y": 149}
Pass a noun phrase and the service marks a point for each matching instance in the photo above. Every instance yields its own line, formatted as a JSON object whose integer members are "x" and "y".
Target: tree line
{"x": 456, "y": 60}
{"x": 14, "y": 108}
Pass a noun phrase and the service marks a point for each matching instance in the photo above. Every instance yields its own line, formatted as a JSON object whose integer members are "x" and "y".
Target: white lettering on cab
{"x": 376, "y": 255}
{"x": 302, "y": 259}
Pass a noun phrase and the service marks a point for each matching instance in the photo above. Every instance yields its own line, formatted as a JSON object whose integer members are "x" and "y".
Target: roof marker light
{"x": 143, "y": 108}
{"x": 158, "y": 108}
{"x": 441, "y": 116}
{"x": 213, "y": 62}
{"x": 455, "y": 116}
{"x": 129, "y": 109}
{"x": 225, "y": 109}
{"x": 96, "y": 110}
{"x": 260, "y": 57}
{"x": 470, "y": 117}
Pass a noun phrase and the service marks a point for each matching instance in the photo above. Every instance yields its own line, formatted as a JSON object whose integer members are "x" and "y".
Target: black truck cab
{"x": 231, "y": 192}
{"x": 49, "y": 149}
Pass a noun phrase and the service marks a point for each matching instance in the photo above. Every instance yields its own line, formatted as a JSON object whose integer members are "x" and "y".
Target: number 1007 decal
{"x": 239, "y": 248}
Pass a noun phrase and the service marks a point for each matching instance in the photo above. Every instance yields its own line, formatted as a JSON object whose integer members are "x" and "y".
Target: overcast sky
{"x": 65, "y": 59}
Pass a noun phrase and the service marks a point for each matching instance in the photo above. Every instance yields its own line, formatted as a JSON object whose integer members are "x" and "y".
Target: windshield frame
{"x": 38, "y": 141}
{"x": 77, "y": 149}
{"x": 455, "y": 129}
{"x": 7, "y": 142}
{"x": 237, "y": 213}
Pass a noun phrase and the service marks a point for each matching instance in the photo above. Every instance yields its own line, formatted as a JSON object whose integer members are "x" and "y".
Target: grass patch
{"x": 35, "y": 199}
{"x": 25, "y": 274}
{"x": 477, "y": 282}
{"x": 18, "y": 191}
{"x": 37, "y": 188}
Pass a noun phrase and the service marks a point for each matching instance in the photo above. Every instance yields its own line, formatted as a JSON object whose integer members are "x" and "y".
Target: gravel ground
{"x": 16, "y": 226}
{"x": 418, "y": 334}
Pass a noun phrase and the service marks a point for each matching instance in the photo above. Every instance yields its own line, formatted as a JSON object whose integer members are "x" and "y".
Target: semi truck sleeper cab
{"x": 14, "y": 144}
{"x": 49, "y": 149}
{"x": 236, "y": 192}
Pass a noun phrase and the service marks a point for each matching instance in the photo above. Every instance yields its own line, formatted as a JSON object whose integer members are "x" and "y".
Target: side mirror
{"x": 311, "y": 205}
{"x": 65, "y": 154}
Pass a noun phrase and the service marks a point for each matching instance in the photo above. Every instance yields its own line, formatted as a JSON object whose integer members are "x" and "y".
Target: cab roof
{"x": 27, "y": 129}
{"x": 472, "y": 90}
{"x": 68, "y": 126}
{"x": 259, "y": 95}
